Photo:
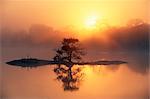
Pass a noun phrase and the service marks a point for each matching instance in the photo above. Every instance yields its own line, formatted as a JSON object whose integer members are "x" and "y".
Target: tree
{"x": 69, "y": 52}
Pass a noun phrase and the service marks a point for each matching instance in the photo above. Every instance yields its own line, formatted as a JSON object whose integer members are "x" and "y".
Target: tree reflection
{"x": 68, "y": 53}
{"x": 70, "y": 77}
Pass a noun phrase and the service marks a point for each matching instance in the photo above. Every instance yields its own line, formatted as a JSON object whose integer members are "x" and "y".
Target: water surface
{"x": 126, "y": 81}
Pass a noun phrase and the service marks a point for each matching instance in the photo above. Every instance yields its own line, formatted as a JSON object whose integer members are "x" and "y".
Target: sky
{"x": 21, "y": 14}
{"x": 84, "y": 19}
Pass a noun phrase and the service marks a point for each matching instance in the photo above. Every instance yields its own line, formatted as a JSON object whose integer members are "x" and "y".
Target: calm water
{"x": 126, "y": 81}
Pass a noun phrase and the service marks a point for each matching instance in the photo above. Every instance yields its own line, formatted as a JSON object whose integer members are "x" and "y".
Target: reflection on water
{"x": 70, "y": 77}
{"x": 128, "y": 81}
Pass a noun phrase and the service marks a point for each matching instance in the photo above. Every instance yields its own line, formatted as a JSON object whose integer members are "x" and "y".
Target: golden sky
{"x": 62, "y": 13}
{"x": 59, "y": 14}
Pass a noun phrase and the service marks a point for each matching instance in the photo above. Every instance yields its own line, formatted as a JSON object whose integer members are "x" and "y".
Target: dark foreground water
{"x": 126, "y": 81}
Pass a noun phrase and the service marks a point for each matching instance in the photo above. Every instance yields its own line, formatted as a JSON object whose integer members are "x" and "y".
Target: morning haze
{"x": 107, "y": 30}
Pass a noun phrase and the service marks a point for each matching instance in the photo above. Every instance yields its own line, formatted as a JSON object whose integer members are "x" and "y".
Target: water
{"x": 126, "y": 81}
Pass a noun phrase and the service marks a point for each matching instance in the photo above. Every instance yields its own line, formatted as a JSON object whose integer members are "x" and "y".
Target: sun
{"x": 91, "y": 22}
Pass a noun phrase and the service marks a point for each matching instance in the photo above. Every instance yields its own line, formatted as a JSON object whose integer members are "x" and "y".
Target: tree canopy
{"x": 70, "y": 51}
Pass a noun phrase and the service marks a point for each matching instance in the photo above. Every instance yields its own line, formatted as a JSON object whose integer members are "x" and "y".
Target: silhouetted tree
{"x": 69, "y": 52}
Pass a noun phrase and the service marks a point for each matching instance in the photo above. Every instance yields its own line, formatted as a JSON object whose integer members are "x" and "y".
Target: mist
{"x": 132, "y": 39}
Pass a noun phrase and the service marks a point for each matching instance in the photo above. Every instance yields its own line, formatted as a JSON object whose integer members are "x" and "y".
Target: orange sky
{"x": 62, "y": 13}
{"x": 21, "y": 14}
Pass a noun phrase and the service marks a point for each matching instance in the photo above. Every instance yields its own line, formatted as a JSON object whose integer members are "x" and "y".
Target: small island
{"x": 69, "y": 54}
{"x": 33, "y": 62}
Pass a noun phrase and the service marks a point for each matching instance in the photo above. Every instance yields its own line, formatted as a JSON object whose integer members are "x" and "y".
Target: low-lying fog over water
{"x": 125, "y": 81}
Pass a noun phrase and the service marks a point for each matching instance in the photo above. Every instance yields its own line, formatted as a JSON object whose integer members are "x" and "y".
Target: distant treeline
{"x": 134, "y": 36}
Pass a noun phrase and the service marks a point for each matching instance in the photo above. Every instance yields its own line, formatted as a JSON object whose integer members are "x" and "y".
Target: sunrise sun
{"x": 91, "y": 21}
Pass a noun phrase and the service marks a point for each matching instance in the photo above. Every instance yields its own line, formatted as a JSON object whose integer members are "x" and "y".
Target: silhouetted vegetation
{"x": 70, "y": 51}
